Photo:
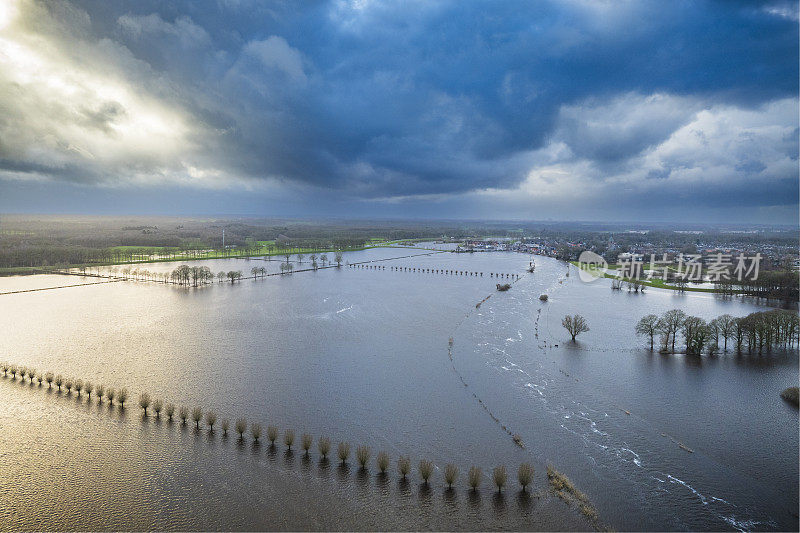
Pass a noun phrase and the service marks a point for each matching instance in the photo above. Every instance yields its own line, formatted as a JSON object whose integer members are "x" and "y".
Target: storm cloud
{"x": 483, "y": 105}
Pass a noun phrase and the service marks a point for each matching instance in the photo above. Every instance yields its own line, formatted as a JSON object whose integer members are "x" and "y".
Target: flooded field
{"x": 363, "y": 355}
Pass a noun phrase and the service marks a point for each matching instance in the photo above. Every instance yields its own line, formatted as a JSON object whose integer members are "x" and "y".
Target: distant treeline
{"x": 770, "y": 284}
{"x": 60, "y": 241}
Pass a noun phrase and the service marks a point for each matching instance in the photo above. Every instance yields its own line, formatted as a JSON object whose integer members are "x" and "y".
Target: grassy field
{"x": 263, "y": 249}
{"x": 657, "y": 283}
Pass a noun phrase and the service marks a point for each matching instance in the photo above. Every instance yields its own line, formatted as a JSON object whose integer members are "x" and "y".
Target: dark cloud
{"x": 411, "y": 99}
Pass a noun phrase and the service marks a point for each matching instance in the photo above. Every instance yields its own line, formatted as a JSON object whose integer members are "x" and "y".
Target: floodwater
{"x": 361, "y": 354}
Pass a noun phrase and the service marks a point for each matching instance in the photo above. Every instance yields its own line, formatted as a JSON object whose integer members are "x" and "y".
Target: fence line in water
{"x": 441, "y": 271}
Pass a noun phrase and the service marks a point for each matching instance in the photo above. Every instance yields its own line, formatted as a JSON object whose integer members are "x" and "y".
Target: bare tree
{"x": 727, "y": 327}
{"x": 648, "y": 326}
{"x": 695, "y": 332}
{"x": 671, "y": 322}
{"x": 575, "y": 325}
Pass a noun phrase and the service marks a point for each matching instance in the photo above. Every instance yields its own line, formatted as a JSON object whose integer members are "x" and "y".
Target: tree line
{"x": 208, "y": 420}
{"x": 758, "y": 332}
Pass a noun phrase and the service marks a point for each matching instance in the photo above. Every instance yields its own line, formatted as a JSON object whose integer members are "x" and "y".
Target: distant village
{"x": 773, "y": 256}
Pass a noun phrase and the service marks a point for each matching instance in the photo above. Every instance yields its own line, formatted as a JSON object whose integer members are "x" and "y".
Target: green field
{"x": 657, "y": 283}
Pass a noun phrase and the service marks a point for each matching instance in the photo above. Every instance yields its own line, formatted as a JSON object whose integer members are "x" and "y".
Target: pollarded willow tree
{"x": 575, "y": 325}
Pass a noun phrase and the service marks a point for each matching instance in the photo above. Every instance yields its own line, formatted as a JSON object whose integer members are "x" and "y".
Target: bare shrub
{"x": 450, "y": 474}
{"x": 343, "y": 451}
{"x": 144, "y": 401}
{"x": 475, "y": 475}
{"x": 499, "y": 477}
{"x": 306, "y": 441}
{"x": 122, "y": 397}
{"x": 382, "y": 460}
{"x": 403, "y": 465}
{"x": 525, "y": 475}
{"x": 211, "y": 419}
{"x": 288, "y": 438}
{"x": 197, "y": 416}
{"x": 324, "y": 446}
{"x": 425, "y": 470}
{"x": 241, "y": 427}
{"x": 362, "y": 455}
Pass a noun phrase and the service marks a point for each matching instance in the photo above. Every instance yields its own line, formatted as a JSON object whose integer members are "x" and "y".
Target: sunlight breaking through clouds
{"x": 370, "y": 104}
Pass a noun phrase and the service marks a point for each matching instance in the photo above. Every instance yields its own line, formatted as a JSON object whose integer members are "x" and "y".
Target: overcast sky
{"x": 575, "y": 109}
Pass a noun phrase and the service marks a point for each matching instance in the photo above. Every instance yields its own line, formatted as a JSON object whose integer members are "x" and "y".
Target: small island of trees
{"x": 756, "y": 333}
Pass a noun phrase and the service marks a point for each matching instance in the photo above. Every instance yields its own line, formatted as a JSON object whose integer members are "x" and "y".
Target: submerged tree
{"x": 474, "y": 476}
{"x": 575, "y": 325}
{"x": 382, "y": 461}
{"x": 306, "y": 441}
{"x": 255, "y": 431}
{"x": 211, "y": 419}
{"x": 241, "y": 427}
{"x": 122, "y": 397}
{"x": 648, "y": 326}
{"x": 403, "y": 465}
{"x": 324, "y": 446}
{"x": 144, "y": 402}
{"x": 425, "y": 470}
{"x": 726, "y": 326}
{"x": 197, "y": 416}
{"x": 343, "y": 451}
{"x": 499, "y": 477}
{"x": 288, "y": 438}
{"x": 362, "y": 455}
{"x": 158, "y": 405}
{"x": 525, "y": 475}
{"x": 272, "y": 434}
{"x": 670, "y": 323}
{"x": 450, "y": 474}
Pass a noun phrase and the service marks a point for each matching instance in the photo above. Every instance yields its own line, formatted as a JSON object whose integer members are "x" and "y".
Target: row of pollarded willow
{"x": 363, "y": 454}
{"x": 209, "y": 419}
{"x": 202, "y": 275}
{"x": 68, "y": 384}
{"x": 758, "y": 332}
{"x": 189, "y": 276}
